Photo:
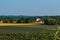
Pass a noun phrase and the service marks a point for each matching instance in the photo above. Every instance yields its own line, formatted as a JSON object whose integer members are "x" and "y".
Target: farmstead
{"x": 39, "y": 20}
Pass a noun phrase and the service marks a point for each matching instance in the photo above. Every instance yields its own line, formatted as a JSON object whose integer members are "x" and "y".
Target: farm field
{"x": 36, "y": 28}
{"x": 37, "y": 32}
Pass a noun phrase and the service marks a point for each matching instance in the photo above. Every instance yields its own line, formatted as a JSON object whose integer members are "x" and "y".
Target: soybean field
{"x": 37, "y": 32}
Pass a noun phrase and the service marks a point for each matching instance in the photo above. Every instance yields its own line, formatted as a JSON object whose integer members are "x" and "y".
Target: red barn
{"x": 39, "y": 20}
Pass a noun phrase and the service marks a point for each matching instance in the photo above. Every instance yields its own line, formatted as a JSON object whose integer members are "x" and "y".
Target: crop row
{"x": 29, "y": 36}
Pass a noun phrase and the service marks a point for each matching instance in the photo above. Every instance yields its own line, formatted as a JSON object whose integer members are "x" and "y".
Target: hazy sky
{"x": 30, "y": 7}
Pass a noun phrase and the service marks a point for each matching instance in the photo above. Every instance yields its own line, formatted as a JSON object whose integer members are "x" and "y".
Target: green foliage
{"x": 28, "y": 36}
{"x": 21, "y": 20}
{"x": 48, "y": 20}
{"x": 31, "y": 20}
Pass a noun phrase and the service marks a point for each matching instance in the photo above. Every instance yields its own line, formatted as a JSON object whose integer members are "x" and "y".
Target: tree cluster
{"x": 48, "y": 20}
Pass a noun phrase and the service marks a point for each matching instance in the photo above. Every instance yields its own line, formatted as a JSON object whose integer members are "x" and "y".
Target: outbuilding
{"x": 39, "y": 20}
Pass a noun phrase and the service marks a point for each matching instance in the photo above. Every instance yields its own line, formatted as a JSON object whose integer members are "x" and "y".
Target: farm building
{"x": 14, "y": 21}
{"x": 39, "y": 20}
{"x": 1, "y": 21}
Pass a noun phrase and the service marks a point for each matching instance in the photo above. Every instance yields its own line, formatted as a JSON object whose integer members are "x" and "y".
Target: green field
{"x": 37, "y": 32}
{"x": 36, "y": 28}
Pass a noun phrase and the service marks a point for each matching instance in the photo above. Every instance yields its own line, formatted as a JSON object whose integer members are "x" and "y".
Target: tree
{"x": 21, "y": 20}
{"x": 50, "y": 21}
{"x": 30, "y": 20}
{"x": 57, "y": 20}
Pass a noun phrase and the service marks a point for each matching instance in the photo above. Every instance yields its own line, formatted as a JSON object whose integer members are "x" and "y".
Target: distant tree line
{"x": 48, "y": 20}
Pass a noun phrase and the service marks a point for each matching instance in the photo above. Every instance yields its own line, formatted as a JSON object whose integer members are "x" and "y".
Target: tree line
{"x": 48, "y": 20}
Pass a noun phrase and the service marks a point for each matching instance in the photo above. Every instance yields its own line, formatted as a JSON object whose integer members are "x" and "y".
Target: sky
{"x": 30, "y": 7}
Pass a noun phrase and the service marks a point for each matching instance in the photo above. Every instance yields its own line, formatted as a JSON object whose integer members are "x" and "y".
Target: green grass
{"x": 36, "y": 28}
{"x": 37, "y": 32}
